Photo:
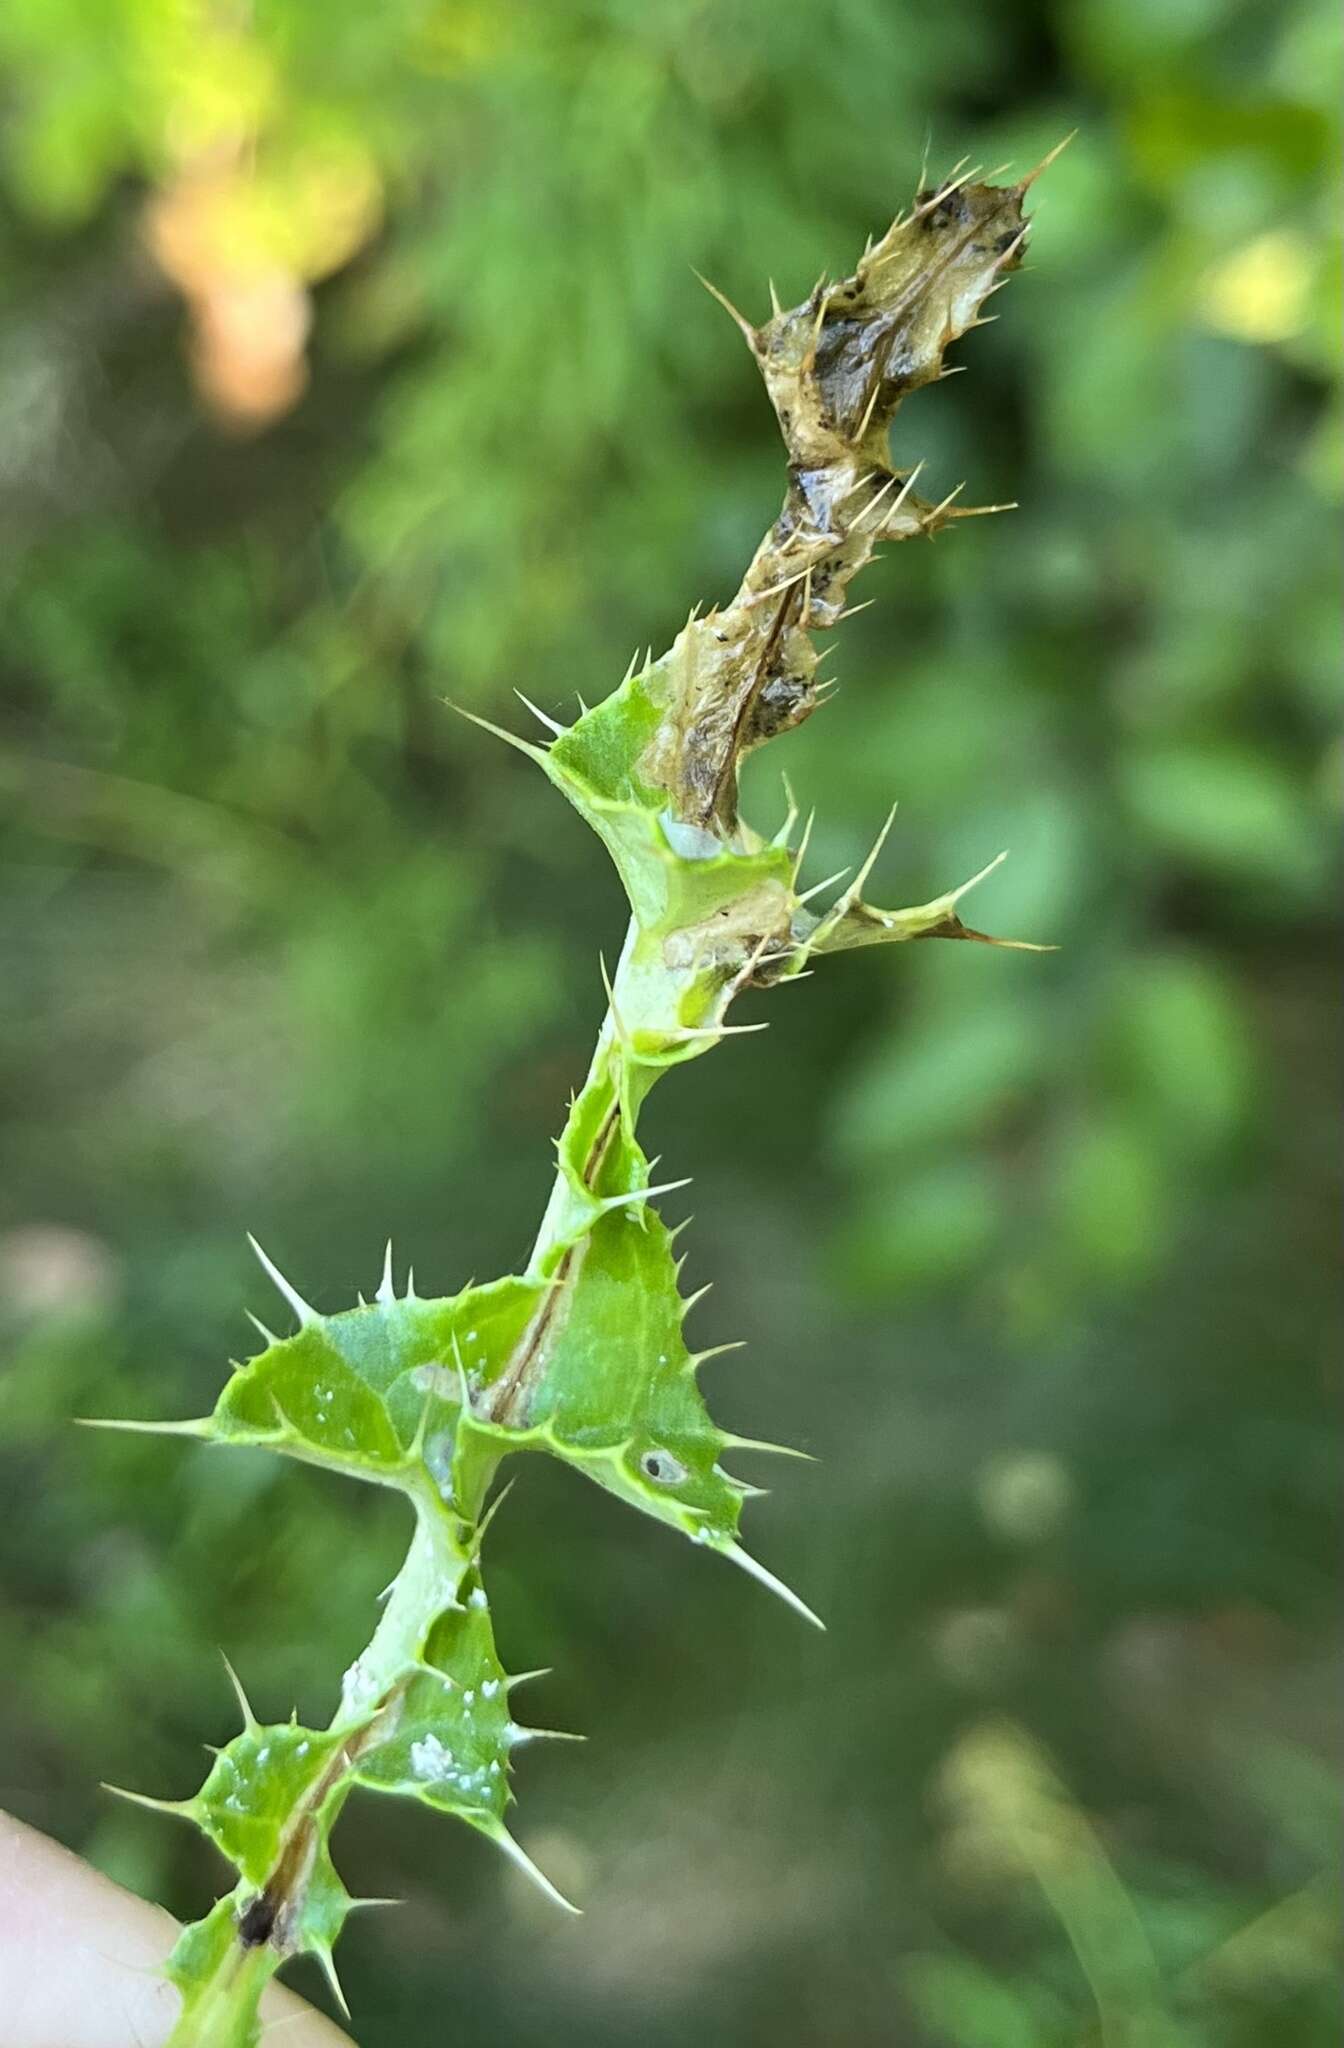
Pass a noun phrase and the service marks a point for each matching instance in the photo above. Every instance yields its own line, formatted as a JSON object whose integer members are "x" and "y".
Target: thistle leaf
{"x": 376, "y": 1391}
{"x": 257, "y": 1783}
{"x": 448, "y": 1740}
{"x": 850, "y": 922}
{"x": 678, "y": 876}
{"x": 611, "y": 1388}
{"x": 836, "y": 369}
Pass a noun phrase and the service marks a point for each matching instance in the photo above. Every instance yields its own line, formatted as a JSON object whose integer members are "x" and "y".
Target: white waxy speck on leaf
{"x": 430, "y": 1759}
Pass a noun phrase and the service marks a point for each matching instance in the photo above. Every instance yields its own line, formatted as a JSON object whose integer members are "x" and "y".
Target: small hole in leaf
{"x": 660, "y": 1466}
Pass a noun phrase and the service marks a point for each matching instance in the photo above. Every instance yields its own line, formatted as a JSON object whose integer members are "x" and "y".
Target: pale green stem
{"x": 428, "y": 1582}
{"x": 647, "y": 996}
{"x": 224, "y": 2012}
{"x": 226, "y": 2015}
{"x": 556, "y": 1223}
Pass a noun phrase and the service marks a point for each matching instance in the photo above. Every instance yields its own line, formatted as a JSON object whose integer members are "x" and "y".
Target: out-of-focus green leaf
{"x": 926, "y": 1227}
{"x": 968, "y": 2008}
{"x": 1115, "y": 1197}
{"x": 1227, "y": 812}
{"x": 1181, "y": 1038}
{"x": 930, "y": 1086}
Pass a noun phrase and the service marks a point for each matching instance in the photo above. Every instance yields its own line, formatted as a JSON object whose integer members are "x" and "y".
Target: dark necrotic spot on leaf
{"x": 257, "y": 1924}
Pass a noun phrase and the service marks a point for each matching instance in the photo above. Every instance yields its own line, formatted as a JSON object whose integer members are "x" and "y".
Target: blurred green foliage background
{"x": 350, "y": 359}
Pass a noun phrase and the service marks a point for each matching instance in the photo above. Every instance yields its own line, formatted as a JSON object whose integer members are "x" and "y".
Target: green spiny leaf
{"x": 851, "y": 922}
{"x": 256, "y": 1785}
{"x": 679, "y": 877}
{"x": 376, "y": 1390}
{"x": 448, "y": 1739}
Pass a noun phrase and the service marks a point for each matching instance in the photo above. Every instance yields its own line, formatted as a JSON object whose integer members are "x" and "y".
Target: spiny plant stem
{"x": 583, "y": 1356}
{"x": 226, "y": 2007}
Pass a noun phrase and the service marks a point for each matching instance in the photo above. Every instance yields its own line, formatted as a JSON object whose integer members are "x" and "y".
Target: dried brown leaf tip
{"x": 836, "y": 369}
